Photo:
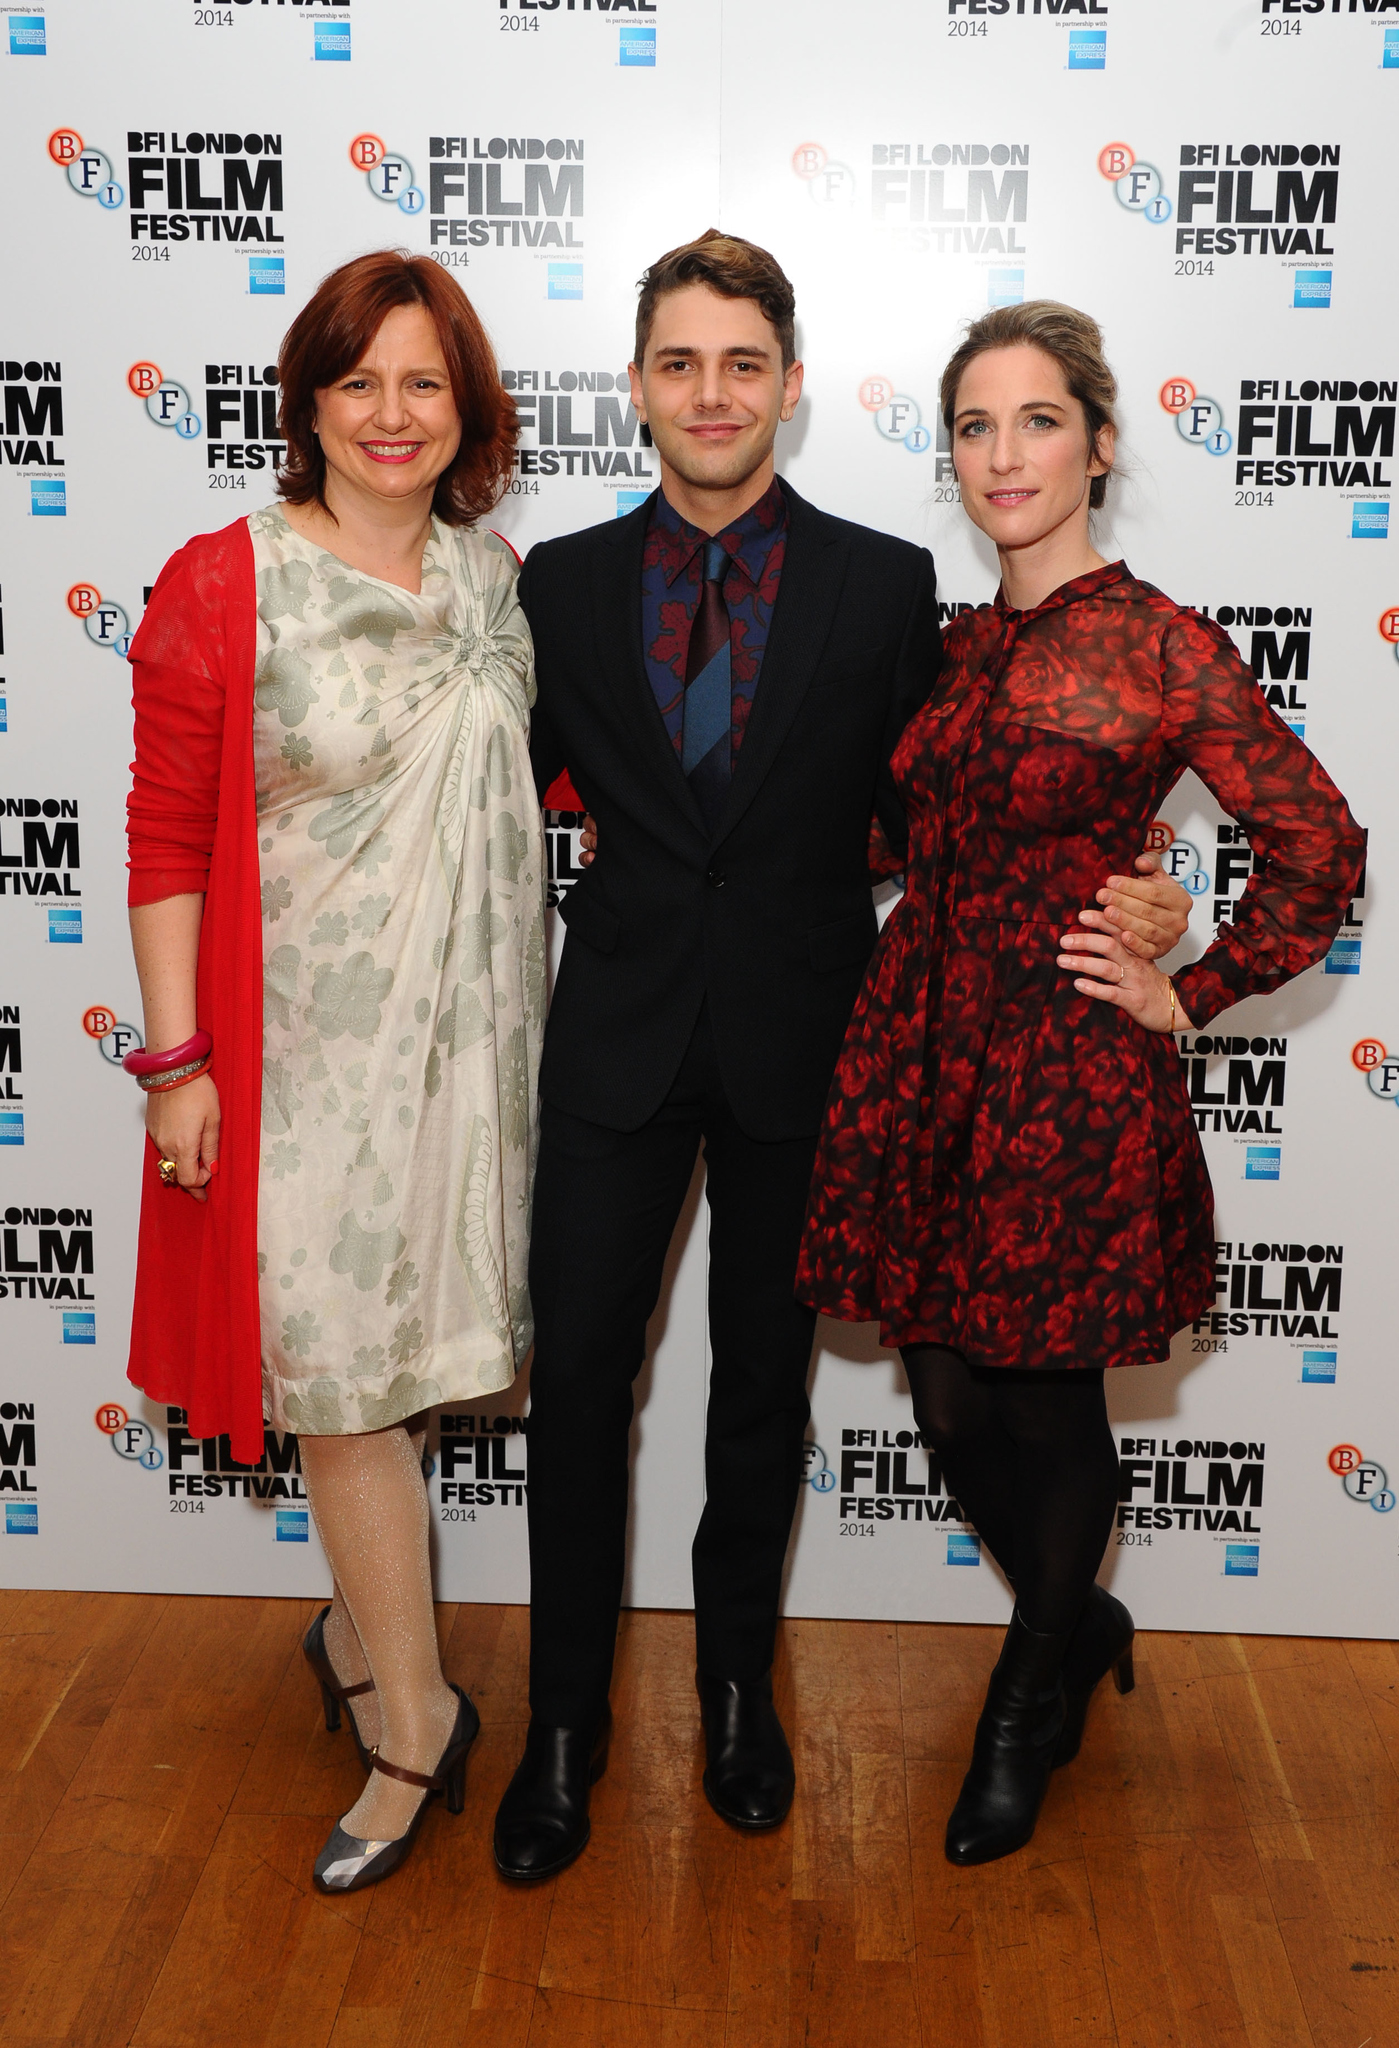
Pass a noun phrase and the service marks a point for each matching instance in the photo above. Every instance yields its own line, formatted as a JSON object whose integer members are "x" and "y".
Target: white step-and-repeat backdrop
{"x": 1212, "y": 178}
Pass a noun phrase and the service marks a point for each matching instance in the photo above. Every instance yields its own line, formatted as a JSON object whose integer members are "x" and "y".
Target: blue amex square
{"x": 21, "y": 1518}
{"x": 267, "y": 276}
{"x": 1241, "y": 1560}
{"x": 565, "y": 280}
{"x": 627, "y": 501}
{"x": 27, "y": 37}
{"x": 638, "y": 43}
{"x": 65, "y": 925}
{"x": 1088, "y": 49}
{"x": 1369, "y": 519}
{"x": 79, "y": 1326}
{"x": 11, "y": 1126}
{"x": 332, "y": 42}
{"x": 292, "y": 1526}
{"x": 1391, "y": 49}
{"x": 1311, "y": 288}
{"x": 1263, "y": 1162}
{"x": 1318, "y": 1368}
{"x": 964, "y": 1548}
{"x": 48, "y": 497}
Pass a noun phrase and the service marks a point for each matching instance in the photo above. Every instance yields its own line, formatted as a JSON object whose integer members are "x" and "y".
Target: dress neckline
{"x": 1068, "y": 593}
{"x": 432, "y": 563}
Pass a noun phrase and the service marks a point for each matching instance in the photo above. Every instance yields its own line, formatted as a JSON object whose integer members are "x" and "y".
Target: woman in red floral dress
{"x": 1009, "y": 1176}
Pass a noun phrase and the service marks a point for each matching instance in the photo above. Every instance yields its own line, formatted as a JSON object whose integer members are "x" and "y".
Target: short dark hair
{"x": 330, "y": 335}
{"x": 1069, "y": 338}
{"x": 730, "y": 266}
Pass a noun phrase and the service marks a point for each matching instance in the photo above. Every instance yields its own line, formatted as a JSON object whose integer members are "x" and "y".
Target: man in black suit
{"x": 724, "y": 673}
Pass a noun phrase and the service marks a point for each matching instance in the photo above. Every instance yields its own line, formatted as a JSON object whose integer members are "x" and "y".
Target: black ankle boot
{"x": 1101, "y": 1641}
{"x": 1013, "y": 1752}
{"x": 749, "y": 1778}
{"x": 542, "y": 1822}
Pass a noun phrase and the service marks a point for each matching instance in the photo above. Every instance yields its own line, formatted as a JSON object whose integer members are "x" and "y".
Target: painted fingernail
{"x": 213, "y": 1168}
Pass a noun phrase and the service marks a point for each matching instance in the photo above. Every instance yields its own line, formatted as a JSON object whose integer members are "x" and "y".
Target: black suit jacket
{"x": 769, "y": 916}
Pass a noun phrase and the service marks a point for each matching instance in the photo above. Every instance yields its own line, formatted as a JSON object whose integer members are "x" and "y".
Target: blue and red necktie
{"x": 705, "y": 752}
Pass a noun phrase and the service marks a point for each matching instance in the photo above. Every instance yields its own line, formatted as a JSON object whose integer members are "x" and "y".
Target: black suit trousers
{"x": 606, "y": 1205}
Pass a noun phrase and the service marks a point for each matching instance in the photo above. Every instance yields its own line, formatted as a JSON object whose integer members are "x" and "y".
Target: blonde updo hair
{"x": 1069, "y": 338}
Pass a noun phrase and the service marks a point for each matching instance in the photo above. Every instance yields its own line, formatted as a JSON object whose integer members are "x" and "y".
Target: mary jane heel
{"x": 347, "y": 1864}
{"x": 313, "y": 1649}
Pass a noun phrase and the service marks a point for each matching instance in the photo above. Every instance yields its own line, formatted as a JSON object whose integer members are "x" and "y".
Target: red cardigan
{"x": 192, "y": 826}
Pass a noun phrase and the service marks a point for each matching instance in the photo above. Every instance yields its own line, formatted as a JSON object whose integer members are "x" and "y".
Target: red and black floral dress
{"x": 1008, "y": 1167}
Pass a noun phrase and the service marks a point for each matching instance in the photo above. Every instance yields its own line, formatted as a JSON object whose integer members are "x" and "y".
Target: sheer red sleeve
{"x": 880, "y": 856}
{"x": 174, "y": 802}
{"x": 1308, "y": 850}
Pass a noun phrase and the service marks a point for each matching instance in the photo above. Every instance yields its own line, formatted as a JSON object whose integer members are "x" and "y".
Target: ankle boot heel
{"x": 332, "y": 1709}
{"x": 1101, "y": 1641}
{"x": 456, "y": 1787}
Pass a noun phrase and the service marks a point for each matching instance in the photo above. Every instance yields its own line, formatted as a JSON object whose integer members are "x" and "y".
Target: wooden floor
{"x": 1218, "y": 1869}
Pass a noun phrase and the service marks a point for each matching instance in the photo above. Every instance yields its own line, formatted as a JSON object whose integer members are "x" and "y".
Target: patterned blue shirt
{"x": 672, "y": 569}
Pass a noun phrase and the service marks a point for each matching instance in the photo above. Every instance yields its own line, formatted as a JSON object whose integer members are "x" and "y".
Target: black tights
{"x": 1031, "y": 1459}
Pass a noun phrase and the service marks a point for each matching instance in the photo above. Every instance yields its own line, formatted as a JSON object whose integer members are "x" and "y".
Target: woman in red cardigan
{"x": 337, "y": 914}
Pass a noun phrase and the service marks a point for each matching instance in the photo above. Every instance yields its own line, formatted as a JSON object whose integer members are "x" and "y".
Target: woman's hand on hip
{"x": 1147, "y": 911}
{"x": 184, "y": 1126}
{"x": 1106, "y": 971}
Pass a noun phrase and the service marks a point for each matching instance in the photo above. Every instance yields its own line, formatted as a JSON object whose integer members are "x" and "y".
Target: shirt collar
{"x": 748, "y": 542}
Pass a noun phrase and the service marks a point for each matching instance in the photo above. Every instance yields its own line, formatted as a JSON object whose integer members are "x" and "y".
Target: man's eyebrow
{"x": 677, "y": 349}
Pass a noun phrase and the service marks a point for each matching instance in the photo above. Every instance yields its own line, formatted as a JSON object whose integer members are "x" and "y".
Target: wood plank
{"x": 1261, "y": 1975}
{"x": 145, "y": 1807}
{"x": 1338, "y": 1916}
{"x": 1163, "y": 1954}
{"x": 63, "y": 1659}
{"x": 1215, "y": 1871}
{"x": 758, "y": 2013}
{"x": 1154, "y": 1760}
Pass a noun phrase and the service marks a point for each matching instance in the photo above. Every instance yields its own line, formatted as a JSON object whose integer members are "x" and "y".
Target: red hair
{"x": 332, "y": 333}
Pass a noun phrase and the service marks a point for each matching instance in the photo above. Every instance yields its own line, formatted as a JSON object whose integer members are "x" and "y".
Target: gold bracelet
{"x": 1172, "y": 987}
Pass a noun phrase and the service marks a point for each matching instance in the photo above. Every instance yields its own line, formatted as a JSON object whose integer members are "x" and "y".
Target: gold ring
{"x": 169, "y": 1172}
{"x": 1121, "y": 975}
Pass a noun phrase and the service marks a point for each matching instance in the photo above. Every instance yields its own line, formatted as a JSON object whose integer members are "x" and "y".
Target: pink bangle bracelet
{"x": 197, "y": 1047}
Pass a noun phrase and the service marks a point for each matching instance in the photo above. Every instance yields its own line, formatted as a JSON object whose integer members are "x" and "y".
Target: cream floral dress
{"x": 402, "y": 869}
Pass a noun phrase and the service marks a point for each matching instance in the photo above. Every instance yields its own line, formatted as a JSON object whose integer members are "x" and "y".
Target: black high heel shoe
{"x": 1101, "y": 1641}
{"x": 346, "y": 1864}
{"x": 332, "y": 1691}
{"x": 1013, "y": 1752}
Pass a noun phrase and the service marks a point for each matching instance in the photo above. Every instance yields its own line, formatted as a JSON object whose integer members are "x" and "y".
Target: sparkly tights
{"x": 1031, "y": 1459}
{"x": 371, "y": 1508}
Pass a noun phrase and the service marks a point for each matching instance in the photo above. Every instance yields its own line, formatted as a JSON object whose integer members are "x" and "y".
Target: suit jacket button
{"x": 716, "y": 878}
